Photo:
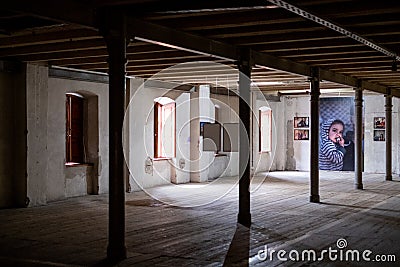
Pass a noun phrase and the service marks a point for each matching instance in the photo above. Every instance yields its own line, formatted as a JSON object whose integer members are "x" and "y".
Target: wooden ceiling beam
{"x": 54, "y": 47}
{"x": 224, "y": 21}
{"x": 362, "y": 70}
{"x": 107, "y": 3}
{"x": 172, "y": 61}
{"x": 225, "y": 34}
{"x": 163, "y": 35}
{"x": 134, "y": 59}
{"x": 49, "y": 37}
{"x": 326, "y": 54}
{"x": 103, "y": 53}
{"x": 312, "y": 46}
{"x": 322, "y": 61}
{"x": 78, "y": 61}
{"x": 366, "y": 63}
{"x": 187, "y": 67}
{"x": 161, "y": 65}
{"x": 307, "y": 46}
{"x": 74, "y": 12}
{"x": 282, "y": 39}
{"x": 386, "y": 74}
{"x": 63, "y": 55}
{"x": 131, "y": 50}
{"x": 265, "y": 17}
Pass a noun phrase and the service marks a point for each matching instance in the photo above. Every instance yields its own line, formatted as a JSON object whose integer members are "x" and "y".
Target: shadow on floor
{"x": 238, "y": 253}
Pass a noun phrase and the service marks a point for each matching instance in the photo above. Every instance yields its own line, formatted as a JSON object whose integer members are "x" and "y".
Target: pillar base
{"x": 359, "y": 186}
{"x": 389, "y": 178}
{"x": 314, "y": 198}
{"x": 244, "y": 219}
{"x": 116, "y": 254}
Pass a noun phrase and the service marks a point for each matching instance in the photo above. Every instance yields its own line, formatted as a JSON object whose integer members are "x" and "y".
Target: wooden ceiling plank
{"x": 64, "y": 55}
{"x": 308, "y": 47}
{"x": 163, "y": 35}
{"x": 157, "y": 33}
{"x": 53, "y": 47}
{"x": 62, "y": 11}
{"x": 134, "y": 59}
{"x": 167, "y": 36}
{"x": 345, "y": 60}
{"x": 48, "y": 37}
{"x": 78, "y": 61}
{"x": 355, "y": 71}
{"x": 282, "y": 39}
{"x": 227, "y": 20}
{"x": 334, "y": 65}
{"x": 255, "y": 32}
{"x": 326, "y": 54}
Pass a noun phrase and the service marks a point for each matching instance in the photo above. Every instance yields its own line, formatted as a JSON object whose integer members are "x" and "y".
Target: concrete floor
{"x": 73, "y": 232}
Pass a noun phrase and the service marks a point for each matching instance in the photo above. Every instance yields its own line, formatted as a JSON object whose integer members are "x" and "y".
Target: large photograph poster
{"x": 336, "y": 152}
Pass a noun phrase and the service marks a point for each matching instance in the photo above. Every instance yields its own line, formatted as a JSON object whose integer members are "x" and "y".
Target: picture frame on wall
{"x": 379, "y": 135}
{"x": 212, "y": 137}
{"x": 301, "y": 122}
{"x": 379, "y": 123}
{"x": 301, "y": 134}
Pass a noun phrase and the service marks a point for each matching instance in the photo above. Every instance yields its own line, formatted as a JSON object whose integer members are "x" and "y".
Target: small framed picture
{"x": 301, "y": 134}
{"x": 379, "y": 135}
{"x": 301, "y": 122}
{"x": 379, "y": 123}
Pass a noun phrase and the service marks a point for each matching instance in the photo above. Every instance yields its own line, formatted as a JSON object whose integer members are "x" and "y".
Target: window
{"x": 265, "y": 121}
{"x": 211, "y": 137}
{"x": 164, "y": 128}
{"x": 74, "y": 129}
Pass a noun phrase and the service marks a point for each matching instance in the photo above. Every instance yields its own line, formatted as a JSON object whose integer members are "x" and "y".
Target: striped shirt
{"x": 330, "y": 154}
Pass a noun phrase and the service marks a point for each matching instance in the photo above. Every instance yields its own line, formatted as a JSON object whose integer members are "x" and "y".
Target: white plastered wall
{"x": 141, "y": 138}
{"x": 228, "y": 113}
{"x": 56, "y": 136}
{"x": 276, "y": 158}
{"x": 298, "y": 157}
{"x": 297, "y": 151}
{"x": 375, "y": 151}
{"x": 37, "y": 138}
{"x": 141, "y": 141}
{"x": 47, "y": 173}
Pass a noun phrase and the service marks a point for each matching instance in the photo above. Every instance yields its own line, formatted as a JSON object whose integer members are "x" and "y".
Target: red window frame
{"x": 74, "y": 129}
{"x": 161, "y": 114}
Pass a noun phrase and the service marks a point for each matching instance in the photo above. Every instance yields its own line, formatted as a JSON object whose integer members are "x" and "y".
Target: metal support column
{"x": 244, "y": 66}
{"x": 314, "y": 142}
{"x": 358, "y": 103}
{"x": 388, "y": 123}
{"x": 114, "y": 32}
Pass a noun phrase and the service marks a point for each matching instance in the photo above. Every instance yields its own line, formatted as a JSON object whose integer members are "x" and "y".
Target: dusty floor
{"x": 201, "y": 229}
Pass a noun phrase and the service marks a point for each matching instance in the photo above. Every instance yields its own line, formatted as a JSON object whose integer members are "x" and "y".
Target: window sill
{"x": 77, "y": 164}
{"x": 160, "y": 159}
